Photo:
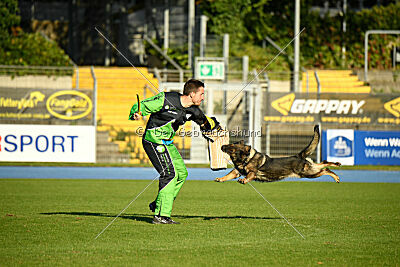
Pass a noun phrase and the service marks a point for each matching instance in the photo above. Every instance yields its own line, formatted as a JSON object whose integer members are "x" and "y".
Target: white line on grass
{"x": 126, "y": 207}
{"x": 277, "y": 211}
{"x": 270, "y": 204}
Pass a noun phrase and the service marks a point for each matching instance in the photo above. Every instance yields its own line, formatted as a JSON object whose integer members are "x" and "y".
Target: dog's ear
{"x": 241, "y": 142}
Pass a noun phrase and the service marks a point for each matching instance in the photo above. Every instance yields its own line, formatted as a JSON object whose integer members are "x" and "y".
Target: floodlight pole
{"x": 191, "y": 14}
{"x": 203, "y": 34}
{"x": 296, "y": 47}
{"x": 166, "y": 29}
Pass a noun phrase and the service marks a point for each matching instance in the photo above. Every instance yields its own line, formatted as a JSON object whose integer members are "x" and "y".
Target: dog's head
{"x": 237, "y": 151}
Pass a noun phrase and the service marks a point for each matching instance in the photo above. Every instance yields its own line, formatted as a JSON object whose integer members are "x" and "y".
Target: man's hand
{"x": 210, "y": 128}
{"x": 210, "y": 124}
{"x": 136, "y": 116}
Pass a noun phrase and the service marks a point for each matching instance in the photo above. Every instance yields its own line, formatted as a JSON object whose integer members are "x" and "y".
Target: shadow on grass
{"x": 148, "y": 218}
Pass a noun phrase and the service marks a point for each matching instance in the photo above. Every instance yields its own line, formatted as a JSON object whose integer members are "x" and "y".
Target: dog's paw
{"x": 242, "y": 180}
{"x": 219, "y": 180}
{"x": 338, "y": 164}
{"x": 337, "y": 180}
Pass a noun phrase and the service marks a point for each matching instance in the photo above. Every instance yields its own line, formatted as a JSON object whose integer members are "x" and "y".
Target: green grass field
{"x": 54, "y": 222}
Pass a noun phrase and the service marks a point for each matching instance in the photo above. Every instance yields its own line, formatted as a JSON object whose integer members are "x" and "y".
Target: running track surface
{"x": 137, "y": 173}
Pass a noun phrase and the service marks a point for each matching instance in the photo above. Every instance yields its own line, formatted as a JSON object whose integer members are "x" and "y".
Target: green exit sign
{"x": 210, "y": 70}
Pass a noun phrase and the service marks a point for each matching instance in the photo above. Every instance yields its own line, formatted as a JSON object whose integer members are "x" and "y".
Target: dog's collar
{"x": 252, "y": 154}
{"x": 263, "y": 161}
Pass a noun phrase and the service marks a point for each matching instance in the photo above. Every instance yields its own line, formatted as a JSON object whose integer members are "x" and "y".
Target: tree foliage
{"x": 20, "y": 48}
{"x": 250, "y": 21}
{"x": 8, "y": 17}
{"x": 32, "y": 49}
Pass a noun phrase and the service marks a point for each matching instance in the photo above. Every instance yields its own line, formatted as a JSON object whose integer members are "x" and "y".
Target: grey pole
{"x": 107, "y": 59}
{"x": 344, "y": 29}
{"x": 226, "y": 66}
{"x": 366, "y": 57}
{"x": 245, "y": 66}
{"x": 296, "y": 47}
{"x": 166, "y": 29}
{"x": 203, "y": 34}
{"x": 190, "y": 32}
{"x": 94, "y": 106}
{"x": 226, "y": 55}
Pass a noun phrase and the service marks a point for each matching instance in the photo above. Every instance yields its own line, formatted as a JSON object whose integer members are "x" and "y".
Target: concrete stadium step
{"x": 337, "y": 85}
{"x": 122, "y": 108}
{"x": 119, "y": 121}
{"x": 111, "y": 115}
{"x": 116, "y": 93}
{"x": 127, "y": 127}
{"x": 117, "y": 128}
{"x": 112, "y": 83}
{"x": 330, "y": 72}
{"x": 334, "y": 81}
{"x": 120, "y": 111}
{"x": 107, "y": 148}
{"x": 115, "y": 96}
{"x": 359, "y": 90}
{"x": 338, "y": 81}
{"x": 107, "y": 151}
{"x": 113, "y": 158}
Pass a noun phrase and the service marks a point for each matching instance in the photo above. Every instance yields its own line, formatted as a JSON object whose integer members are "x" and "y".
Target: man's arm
{"x": 206, "y": 123}
{"x": 147, "y": 106}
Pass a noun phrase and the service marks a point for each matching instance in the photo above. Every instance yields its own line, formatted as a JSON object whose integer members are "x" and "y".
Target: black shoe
{"x": 163, "y": 220}
{"x": 152, "y": 206}
{"x": 170, "y": 221}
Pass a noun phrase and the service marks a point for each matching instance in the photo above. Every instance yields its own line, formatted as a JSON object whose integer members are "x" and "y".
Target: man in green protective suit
{"x": 168, "y": 111}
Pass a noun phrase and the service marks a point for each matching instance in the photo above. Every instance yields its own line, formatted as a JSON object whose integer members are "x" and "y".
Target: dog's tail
{"x": 308, "y": 150}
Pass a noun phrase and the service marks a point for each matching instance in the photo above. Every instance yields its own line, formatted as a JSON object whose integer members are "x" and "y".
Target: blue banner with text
{"x": 351, "y": 147}
{"x": 377, "y": 148}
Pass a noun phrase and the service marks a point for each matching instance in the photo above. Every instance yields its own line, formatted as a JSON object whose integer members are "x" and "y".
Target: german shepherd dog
{"x": 260, "y": 167}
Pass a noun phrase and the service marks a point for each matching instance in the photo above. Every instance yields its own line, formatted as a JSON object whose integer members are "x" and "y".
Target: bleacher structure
{"x": 333, "y": 81}
{"x": 119, "y": 139}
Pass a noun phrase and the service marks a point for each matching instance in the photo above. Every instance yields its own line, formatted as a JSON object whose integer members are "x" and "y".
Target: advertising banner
{"x": 361, "y": 147}
{"x": 377, "y": 148}
{"x": 339, "y": 146}
{"x": 47, "y": 143}
{"x": 328, "y": 108}
{"x": 45, "y": 105}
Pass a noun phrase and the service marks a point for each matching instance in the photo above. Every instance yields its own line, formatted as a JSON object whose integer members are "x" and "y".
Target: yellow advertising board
{"x": 39, "y": 106}
{"x": 332, "y": 108}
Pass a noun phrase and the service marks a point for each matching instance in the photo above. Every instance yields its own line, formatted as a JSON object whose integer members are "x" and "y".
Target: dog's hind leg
{"x": 324, "y": 172}
{"x": 323, "y": 164}
{"x": 250, "y": 176}
{"x": 332, "y": 174}
{"x": 232, "y": 175}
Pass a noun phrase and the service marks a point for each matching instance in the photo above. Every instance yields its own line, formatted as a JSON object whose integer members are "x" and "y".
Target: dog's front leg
{"x": 249, "y": 177}
{"x": 232, "y": 175}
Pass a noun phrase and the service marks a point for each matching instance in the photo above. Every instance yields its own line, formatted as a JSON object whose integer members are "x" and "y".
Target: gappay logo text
{"x": 341, "y": 111}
